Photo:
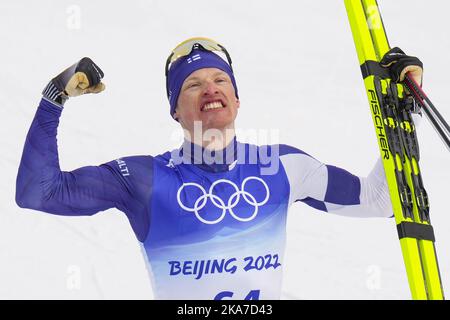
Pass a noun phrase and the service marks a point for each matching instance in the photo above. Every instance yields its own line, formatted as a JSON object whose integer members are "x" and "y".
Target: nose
{"x": 210, "y": 89}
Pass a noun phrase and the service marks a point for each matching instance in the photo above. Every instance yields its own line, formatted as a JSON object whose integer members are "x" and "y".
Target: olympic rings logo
{"x": 225, "y": 206}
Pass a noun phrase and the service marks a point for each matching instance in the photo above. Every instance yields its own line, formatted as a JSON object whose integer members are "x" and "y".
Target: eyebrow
{"x": 215, "y": 74}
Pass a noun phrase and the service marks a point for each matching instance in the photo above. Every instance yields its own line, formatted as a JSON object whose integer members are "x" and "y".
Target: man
{"x": 211, "y": 215}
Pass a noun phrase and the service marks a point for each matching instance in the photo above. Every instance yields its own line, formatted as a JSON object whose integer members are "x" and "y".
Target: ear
{"x": 175, "y": 114}
{"x": 238, "y": 103}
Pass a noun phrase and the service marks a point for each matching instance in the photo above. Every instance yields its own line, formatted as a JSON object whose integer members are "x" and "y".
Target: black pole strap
{"x": 415, "y": 230}
{"x": 373, "y": 68}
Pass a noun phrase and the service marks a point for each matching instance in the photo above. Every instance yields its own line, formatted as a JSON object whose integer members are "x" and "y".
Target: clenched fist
{"x": 82, "y": 77}
{"x": 399, "y": 64}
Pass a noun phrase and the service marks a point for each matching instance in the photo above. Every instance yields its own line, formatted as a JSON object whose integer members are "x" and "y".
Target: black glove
{"x": 82, "y": 77}
{"x": 399, "y": 64}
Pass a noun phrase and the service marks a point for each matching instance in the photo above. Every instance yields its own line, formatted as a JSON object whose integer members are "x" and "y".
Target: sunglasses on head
{"x": 186, "y": 47}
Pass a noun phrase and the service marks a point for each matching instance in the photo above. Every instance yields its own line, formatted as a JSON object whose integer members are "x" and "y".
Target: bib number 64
{"x": 252, "y": 295}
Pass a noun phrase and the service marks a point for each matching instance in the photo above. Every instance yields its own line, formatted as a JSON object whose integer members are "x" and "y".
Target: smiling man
{"x": 202, "y": 93}
{"x": 210, "y": 218}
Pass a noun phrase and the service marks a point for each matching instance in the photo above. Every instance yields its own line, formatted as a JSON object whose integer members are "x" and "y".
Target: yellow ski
{"x": 395, "y": 130}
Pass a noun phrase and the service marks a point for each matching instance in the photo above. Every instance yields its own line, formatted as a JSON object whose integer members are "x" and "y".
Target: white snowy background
{"x": 297, "y": 72}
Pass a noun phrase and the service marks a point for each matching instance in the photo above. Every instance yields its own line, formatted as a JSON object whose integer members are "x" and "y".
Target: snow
{"x": 297, "y": 73}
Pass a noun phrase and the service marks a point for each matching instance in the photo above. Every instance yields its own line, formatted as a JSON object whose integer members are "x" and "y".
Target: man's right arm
{"x": 41, "y": 185}
{"x": 125, "y": 184}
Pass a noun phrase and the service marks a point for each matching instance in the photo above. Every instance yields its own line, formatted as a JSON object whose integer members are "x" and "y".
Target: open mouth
{"x": 214, "y": 105}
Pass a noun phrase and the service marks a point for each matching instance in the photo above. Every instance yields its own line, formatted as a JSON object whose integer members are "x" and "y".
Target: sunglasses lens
{"x": 186, "y": 47}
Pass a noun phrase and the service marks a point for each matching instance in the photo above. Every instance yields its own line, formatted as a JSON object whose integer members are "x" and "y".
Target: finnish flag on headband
{"x": 194, "y": 58}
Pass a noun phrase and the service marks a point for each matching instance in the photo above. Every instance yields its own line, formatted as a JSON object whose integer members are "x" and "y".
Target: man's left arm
{"x": 332, "y": 189}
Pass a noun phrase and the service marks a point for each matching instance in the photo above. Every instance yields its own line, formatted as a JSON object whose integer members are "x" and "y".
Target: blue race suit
{"x": 209, "y": 230}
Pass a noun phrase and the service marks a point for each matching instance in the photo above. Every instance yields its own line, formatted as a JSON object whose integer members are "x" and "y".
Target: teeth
{"x": 213, "y": 105}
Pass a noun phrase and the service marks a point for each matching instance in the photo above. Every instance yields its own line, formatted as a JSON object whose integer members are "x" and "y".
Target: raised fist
{"x": 80, "y": 78}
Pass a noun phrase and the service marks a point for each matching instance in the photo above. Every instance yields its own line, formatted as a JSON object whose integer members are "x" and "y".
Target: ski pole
{"x": 433, "y": 115}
